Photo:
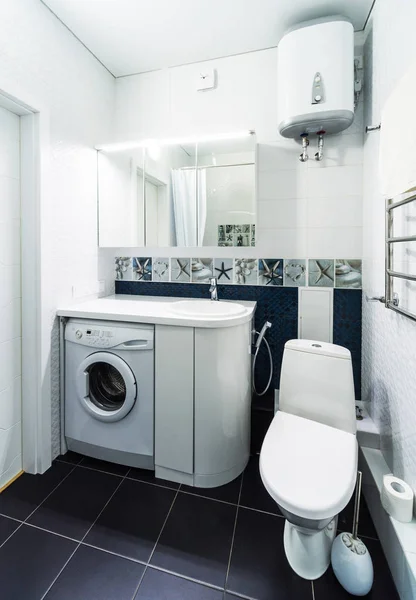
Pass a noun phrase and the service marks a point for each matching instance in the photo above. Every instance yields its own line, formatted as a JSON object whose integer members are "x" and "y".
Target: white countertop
{"x": 150, "y": 309}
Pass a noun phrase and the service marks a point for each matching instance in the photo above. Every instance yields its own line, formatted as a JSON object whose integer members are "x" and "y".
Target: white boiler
{"x": 316, "y": 78}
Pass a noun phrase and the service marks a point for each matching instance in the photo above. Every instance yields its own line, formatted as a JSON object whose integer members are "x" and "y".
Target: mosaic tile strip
{"x": 276, "y": 304}
{"x": 295, "y": 272}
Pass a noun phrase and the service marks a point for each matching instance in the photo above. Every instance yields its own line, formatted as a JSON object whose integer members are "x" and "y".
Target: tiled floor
{"x": 90, "y": 530}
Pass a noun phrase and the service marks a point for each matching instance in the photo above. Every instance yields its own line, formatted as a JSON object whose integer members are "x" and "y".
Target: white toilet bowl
{"x": 307, "y": 464}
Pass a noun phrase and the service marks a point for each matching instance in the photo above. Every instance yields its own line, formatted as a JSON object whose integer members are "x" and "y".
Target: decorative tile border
{"x": 295, "y": 272}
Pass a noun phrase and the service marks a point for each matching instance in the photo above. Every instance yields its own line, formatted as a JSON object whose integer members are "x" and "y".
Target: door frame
{"x": 36, "y": 398}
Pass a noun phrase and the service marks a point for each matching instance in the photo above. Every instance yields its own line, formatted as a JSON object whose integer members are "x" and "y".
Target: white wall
{"x": 10, "y": 299}
{"x": 305, "y": 210}
{"x": 42, "y": 64}
{"x": 389, "y": 340}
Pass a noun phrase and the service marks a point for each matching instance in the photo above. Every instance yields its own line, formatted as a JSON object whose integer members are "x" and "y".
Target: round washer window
{"x": 107, "y": 386}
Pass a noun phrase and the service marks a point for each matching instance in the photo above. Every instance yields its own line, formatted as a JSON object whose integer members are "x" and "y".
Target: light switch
{"x": 206, "y": 80}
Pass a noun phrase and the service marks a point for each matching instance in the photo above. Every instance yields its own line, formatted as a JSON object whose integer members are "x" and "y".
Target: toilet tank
{"x": 316, "y": 383}
{"x": 315, "y": 63}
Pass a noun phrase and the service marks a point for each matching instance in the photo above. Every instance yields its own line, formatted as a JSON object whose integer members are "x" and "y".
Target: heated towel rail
{"x": 391, "y": 299}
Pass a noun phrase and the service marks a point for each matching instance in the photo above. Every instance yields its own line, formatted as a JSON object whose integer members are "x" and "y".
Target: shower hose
{"x": 259, "y": 341}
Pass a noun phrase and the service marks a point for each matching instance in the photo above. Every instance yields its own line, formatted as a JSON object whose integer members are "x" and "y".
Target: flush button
{"x": 316, "y": 346}
{"x": 78, "y": 334}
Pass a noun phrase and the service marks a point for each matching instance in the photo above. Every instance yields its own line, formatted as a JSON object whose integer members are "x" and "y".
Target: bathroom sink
{"x": 207, "y": 309}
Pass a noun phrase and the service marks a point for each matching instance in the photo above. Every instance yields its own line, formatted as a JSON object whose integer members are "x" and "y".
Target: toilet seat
{"x": 308, "y": 468}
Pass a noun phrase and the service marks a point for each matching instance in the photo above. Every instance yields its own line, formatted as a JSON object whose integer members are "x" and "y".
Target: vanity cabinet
{"x": 202, "y": 403}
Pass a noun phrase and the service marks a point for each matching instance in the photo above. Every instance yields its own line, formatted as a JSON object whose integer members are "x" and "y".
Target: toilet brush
{"x": 350, "y": 558}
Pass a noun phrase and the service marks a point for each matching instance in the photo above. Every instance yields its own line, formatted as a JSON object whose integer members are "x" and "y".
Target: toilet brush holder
{"x": 350, "y": 558}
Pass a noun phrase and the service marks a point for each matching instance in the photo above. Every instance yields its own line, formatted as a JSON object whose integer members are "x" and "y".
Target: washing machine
{"x": 109, "y": 391}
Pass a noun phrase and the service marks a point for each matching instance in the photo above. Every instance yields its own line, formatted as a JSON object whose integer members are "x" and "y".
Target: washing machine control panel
{"x": 102, "y": 335}
{"x": 92, "y": 336}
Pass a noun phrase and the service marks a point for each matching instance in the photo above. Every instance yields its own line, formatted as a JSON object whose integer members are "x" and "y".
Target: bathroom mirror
{"x": 185, "y": 193}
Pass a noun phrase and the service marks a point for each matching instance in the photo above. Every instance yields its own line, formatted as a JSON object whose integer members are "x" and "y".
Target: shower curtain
{"x": 189, "y": 191}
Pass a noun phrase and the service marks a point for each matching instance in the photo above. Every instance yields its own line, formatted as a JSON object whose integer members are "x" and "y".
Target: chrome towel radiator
{"x": 391, "y": 299}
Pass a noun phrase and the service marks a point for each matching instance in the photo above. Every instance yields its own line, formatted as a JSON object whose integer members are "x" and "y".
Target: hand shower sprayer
{"x": 257, "y": 345}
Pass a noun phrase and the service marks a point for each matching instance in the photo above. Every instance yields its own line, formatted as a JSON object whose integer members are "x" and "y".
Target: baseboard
{"x": 397, "y": 539}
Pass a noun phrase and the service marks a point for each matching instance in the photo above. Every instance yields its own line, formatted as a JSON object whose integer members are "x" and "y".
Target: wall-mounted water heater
{"x": 316, "y": 80}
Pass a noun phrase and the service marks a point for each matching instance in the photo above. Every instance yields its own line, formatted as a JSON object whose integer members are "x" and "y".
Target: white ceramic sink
{"x": 207, "y": 309}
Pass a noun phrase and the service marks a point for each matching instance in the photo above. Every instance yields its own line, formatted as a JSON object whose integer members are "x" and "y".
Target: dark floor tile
{"x": 157, "y": 585}
{"x": 227, "y": 493}
{"x": 366, "y": 526}
{"x": 149, "y": 477}
{"x": 73, "y": 458}
{"x": 103, "y": 465}
{"x": 383, "y": 587}
{"x": 28, "y": 491}
{"x": 29, "y": 562}
{"x": 196, "y": 539}
{"x": 95, "y": 575}
{"x": 132, "y": 521}
{"x": 253, "y": 493}
{"x": 259, "y": 567}
{"x": 76, "y": 503}
{"x": 7, "y": 527}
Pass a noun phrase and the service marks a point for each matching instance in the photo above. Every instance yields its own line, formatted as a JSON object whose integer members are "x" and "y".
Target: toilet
{"x": 308, "y": 460}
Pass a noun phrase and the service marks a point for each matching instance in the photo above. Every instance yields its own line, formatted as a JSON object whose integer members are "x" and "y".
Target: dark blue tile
{"x": 105, "y": 466}
{"x": 29, "y": 562}
{"x": 259, "y": 568}
{"x": 7, "y": 527}
{"x": 196, "y": 539}
{"x": 279, "y": 305}
{"x": 73, "y": 458}
{"x": 157, "y": 585}
{"x": 226, "y": 493}
{"x": 28, "y": 491}
{"x": 95, "y": 575}
{"x": 347, "y": 328}
{"x": 149, "y": 477}
{"x": 131, "y": 522}
{"x": 73, "y": 507}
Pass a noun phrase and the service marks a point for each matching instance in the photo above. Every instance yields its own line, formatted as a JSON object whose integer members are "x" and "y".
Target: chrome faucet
{"x": 213, "y": 288}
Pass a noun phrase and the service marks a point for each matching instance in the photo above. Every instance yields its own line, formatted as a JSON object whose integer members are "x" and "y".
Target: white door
{"x": 10, "y": 299}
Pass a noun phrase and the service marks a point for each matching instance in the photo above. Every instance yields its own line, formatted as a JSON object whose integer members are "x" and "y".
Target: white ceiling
{"x": 133, "y": 36}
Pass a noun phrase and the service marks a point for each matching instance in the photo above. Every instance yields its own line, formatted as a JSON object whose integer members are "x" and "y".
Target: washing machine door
{"x": 106, "y": 386}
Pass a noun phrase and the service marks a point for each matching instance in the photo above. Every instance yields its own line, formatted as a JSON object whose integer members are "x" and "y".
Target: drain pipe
{"x": 319, "y": 155}
{"x": 305, "y": 143}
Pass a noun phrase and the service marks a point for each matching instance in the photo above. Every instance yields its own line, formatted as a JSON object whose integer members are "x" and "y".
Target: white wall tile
{"x": 42, "y": 64}
{"x": 9, "y": 199}
{"x": 335, "y": 211}
{"x": 11, "y": 404}
{"x": 282, "y": 243}
{"x": 347, "y": 181}
{"x": 10, "y": 446}
{"x": 9, "y": 284}
{"x": 290, "y": 213}
{"x": 10, "y": 320}
{"x": 10, "y": 243}
{"x": 334, "y": 242}
{"x": 10, "y": 362}
{"x": 283, "y": 154}
{"x": 339, "y": 151}
{"x": 12, "y": 471}
{"x": 279, "y": 185}
{"x": 389, "y": 340}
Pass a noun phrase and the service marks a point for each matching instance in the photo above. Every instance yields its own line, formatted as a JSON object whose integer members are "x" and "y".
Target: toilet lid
{"x": 308, "y": 468}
